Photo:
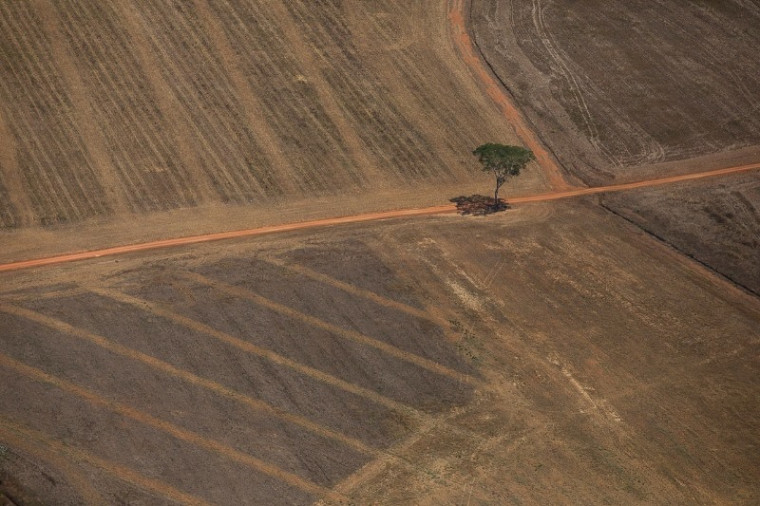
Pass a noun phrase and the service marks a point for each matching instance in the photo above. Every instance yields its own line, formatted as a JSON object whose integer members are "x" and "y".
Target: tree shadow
{"x": 478, "y": 205}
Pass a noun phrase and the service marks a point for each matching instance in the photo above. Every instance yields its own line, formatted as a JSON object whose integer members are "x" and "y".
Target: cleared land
{"x": 113, "y": 109}
{"x": 716, "y": 222}
{"x": 551, "y": 354}
{"x": 626, "y": 91}
{"x": 388, "y": 363}
{"x": 614, "y": 87}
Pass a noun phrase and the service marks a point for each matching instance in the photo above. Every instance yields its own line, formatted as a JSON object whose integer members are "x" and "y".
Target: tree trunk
{"x": 496, "y": 197}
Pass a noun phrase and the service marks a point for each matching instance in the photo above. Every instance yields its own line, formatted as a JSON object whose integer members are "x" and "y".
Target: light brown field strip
{"x": 463, "y": 42}
{"x": 270, "y": 143}
{"x": 168, "y": 428}
{"x": 294, "y": 35}
{"x": 358, "y": 218}
{"x": 95, "y": 141}
{"x": 11, "y": 175}
{"x": 276, "y": 358}
{"x": 63, "y": 464}
{"x": 14, "y": 431}
{"x": 187, "y": 376}
{"x": 350, "y": 335}
{"x": 353, "y": 290}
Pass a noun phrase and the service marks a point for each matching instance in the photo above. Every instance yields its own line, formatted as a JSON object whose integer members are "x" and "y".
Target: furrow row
{"x": 292, "y": 106}
{"x": 126, "y": 110}
{"x": 378, "y": 119}
{"x": 231, "y": 155}
{"x": 52, "y": 158}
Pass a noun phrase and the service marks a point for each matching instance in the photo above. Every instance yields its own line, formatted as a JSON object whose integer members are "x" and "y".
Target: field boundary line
{"x": 253, "y": 112}
{"x": 347, "y": 334}
{"x": 357, "y": 218}
{"x": 354, "y": 290}
{"x": 92, "y": 136}
{"x": 264, "y": 353}
{"x": 464, "y": 44}
{"x": 118, "y": 471}
{"x": 11, "y": 176}
{"x": 62, "y": 463}
{"x": 188, "y": 377}
{"x": 169, "y": 428}
{"x": 375, "y": 467}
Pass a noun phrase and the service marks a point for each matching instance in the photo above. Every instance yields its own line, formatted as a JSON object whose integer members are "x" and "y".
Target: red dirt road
{"x": 358, "y": 218}
{"x": 463, "y": 42}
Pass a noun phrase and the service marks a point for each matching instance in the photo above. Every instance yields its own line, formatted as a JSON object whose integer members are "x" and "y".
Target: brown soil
{"x": 204, "y": 103}
{"x": 614, "y": 87}
{"x": 406, "y": 362}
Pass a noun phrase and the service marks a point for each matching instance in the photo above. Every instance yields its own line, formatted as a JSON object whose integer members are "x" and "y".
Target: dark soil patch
{"x": 478, "y": 205}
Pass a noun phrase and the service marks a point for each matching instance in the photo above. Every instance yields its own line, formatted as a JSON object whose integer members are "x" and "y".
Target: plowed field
{"x": 614, "y": 87}
{"x": 386, "y": 364}
{"x": 131, "y": 107}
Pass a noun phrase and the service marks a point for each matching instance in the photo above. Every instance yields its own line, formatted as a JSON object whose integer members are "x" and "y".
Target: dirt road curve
{"x": 383, "y": 215}
{"x": 463, "y": 42}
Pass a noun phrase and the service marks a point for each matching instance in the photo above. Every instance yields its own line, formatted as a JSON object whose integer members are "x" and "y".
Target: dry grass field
{"x": 717, "y": 222}
{"x": 389, "y": 364}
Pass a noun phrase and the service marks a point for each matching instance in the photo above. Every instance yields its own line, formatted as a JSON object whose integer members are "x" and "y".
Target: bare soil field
{"x": 716, "y": 222}
{"x": 550, "y": 354}
{"x": 127, "y": 108}
{"x": 613, "y": 87}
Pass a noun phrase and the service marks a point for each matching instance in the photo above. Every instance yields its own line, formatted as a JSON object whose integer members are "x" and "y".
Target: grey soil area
{"x": 615, "y": 86}
{"x": 715, "y": 222}
{"x": 550, "y": 354}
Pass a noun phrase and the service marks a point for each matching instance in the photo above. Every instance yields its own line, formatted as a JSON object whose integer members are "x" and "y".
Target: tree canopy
{"x": 503, "y": 161}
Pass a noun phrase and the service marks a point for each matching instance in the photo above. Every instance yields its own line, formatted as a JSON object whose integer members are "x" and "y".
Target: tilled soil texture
{"x": 615, "y": 86}
{"x": 715, "y": 222}
{"x": 549, "y": 354}
{"x": 133, "y": 107}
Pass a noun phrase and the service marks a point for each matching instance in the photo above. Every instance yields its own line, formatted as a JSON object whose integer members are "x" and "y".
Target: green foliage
{"x": 503, "y": 161}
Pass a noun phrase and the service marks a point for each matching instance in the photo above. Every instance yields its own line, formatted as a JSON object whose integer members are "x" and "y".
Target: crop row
{"x": 8, "y": 214}
{"x": 229, "y": 153}
{"x": 136, "y": 133}
{"x": 399, "y": 146}
{"x": 423, "y": 74}
{"x": 288, "y": 97}
{"x": 52, "y": 158}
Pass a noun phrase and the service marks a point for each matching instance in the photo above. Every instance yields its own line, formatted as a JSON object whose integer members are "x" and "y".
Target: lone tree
{"x": 503, "y": 162}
